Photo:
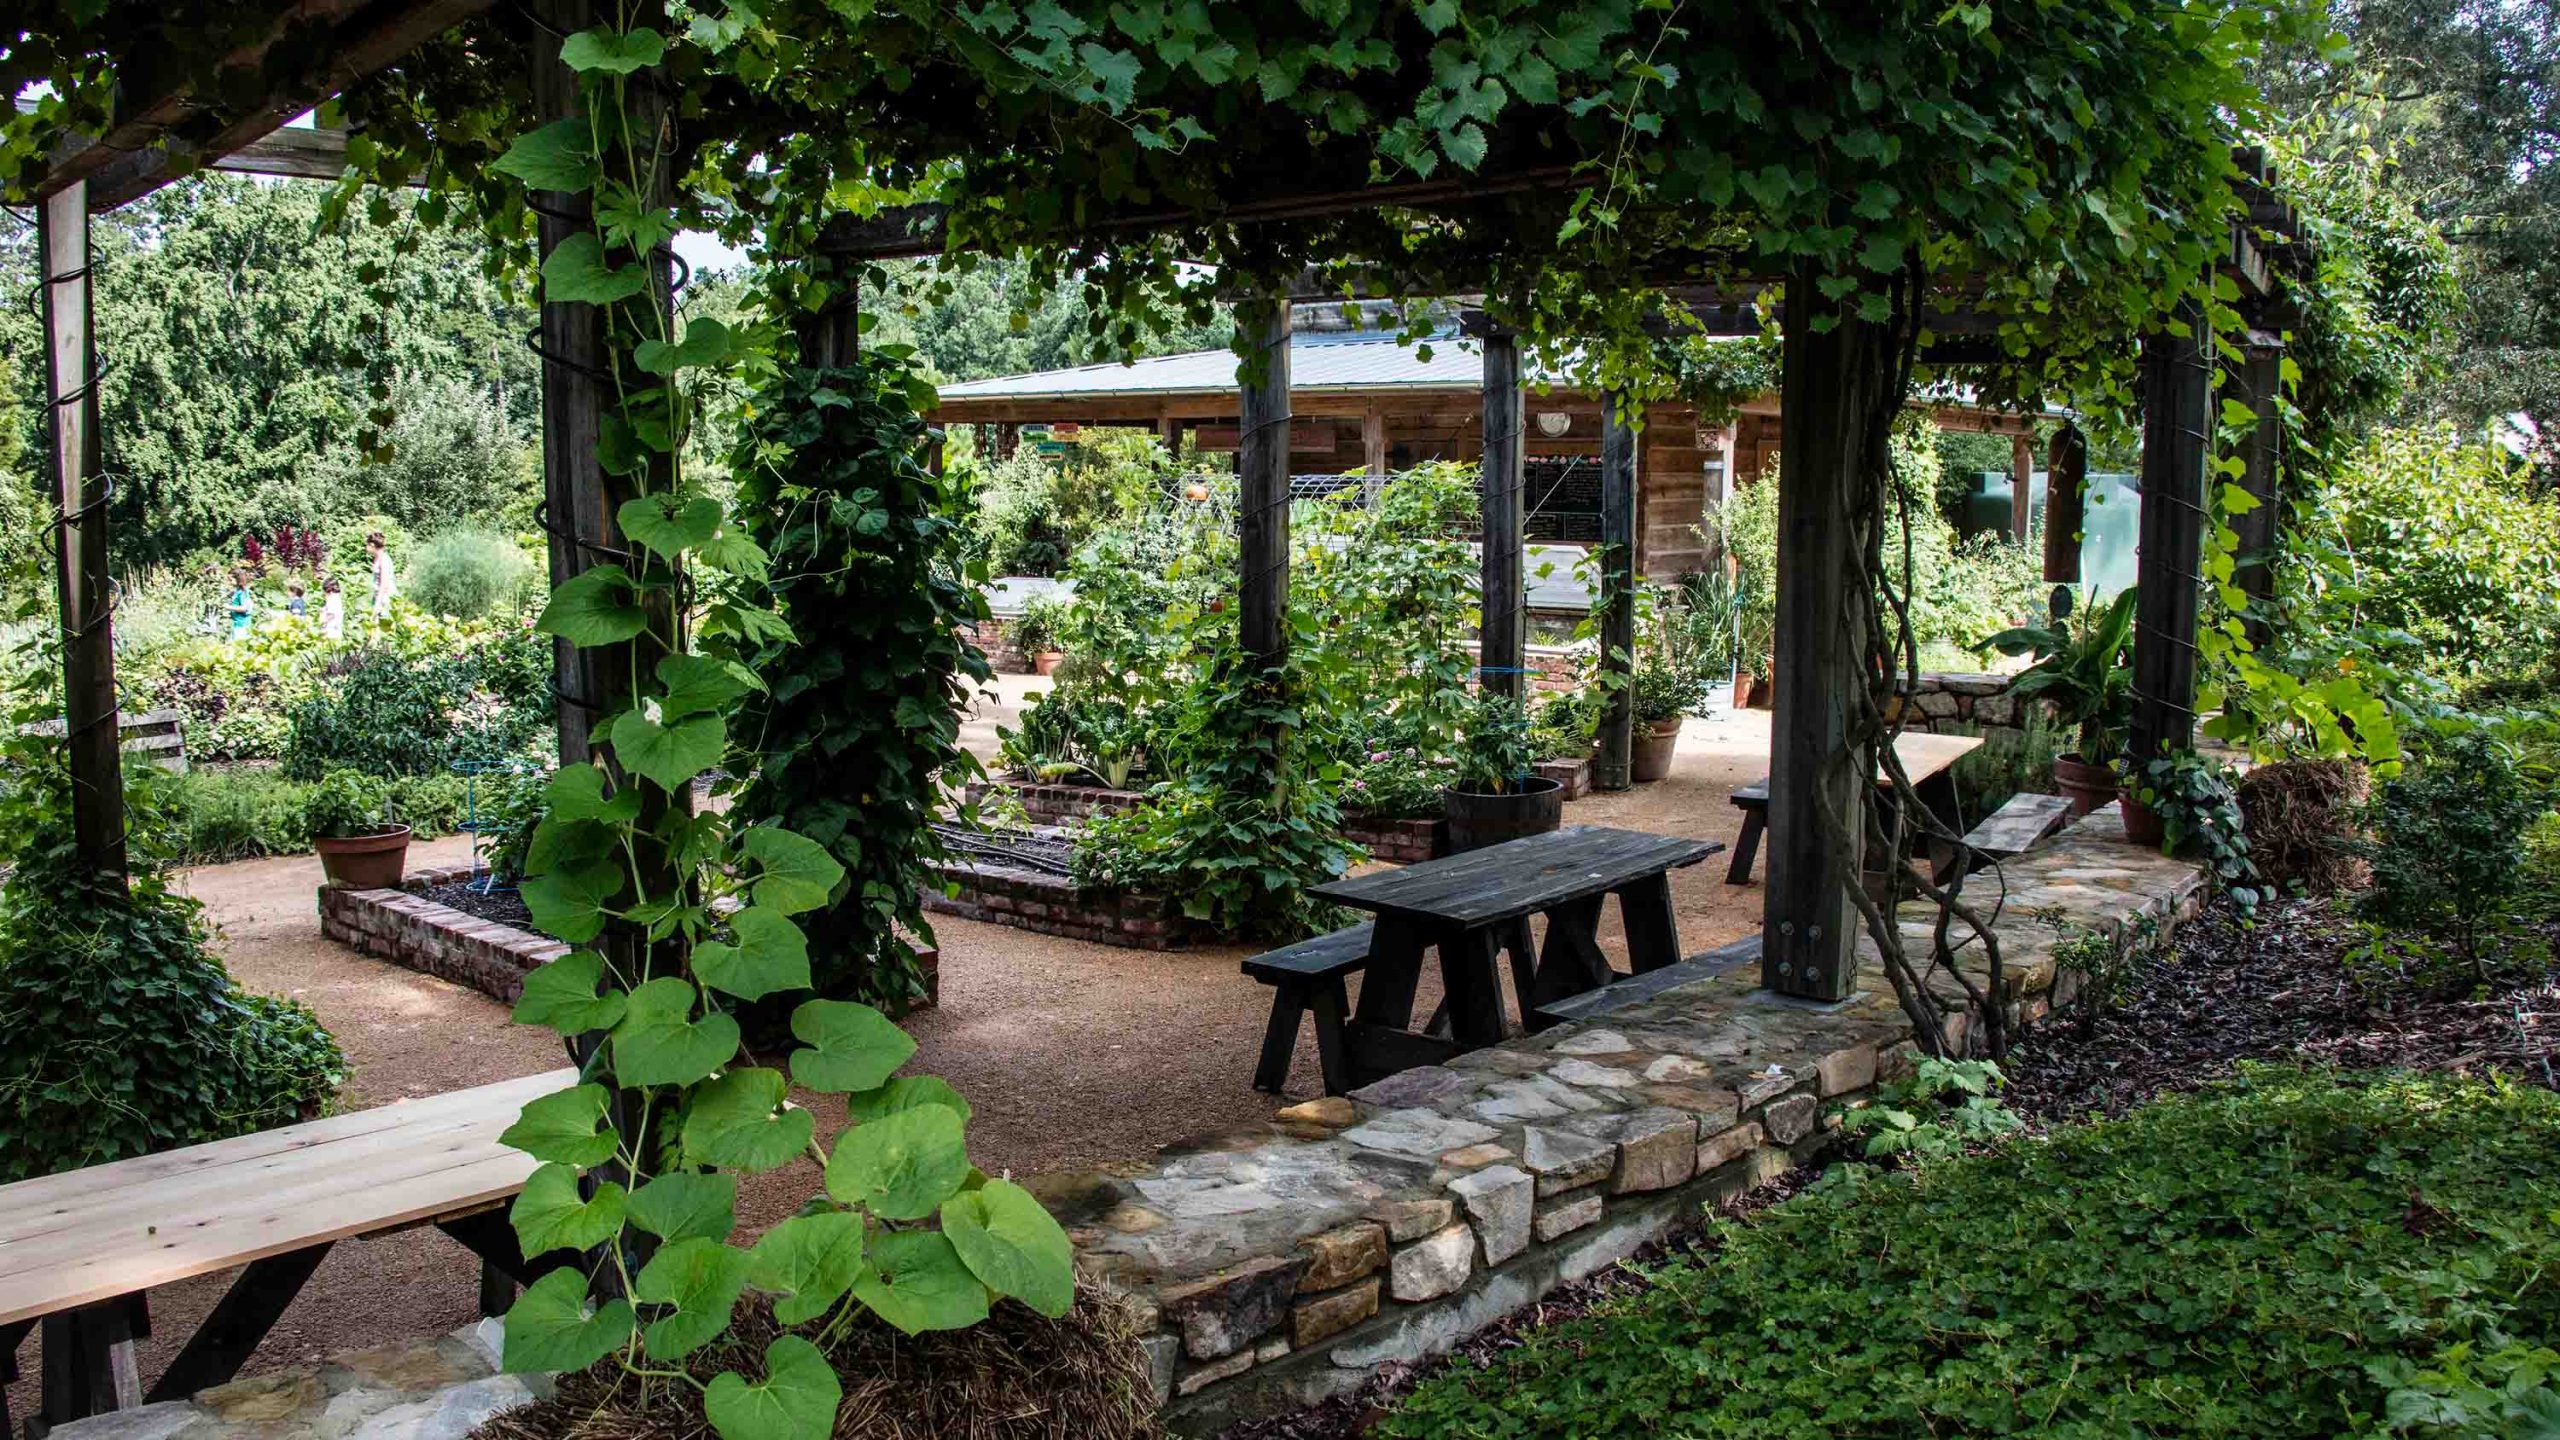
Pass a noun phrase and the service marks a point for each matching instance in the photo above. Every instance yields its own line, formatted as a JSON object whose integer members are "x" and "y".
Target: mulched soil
{"x": 502, "y": 905}
{"x": 2185, "y": 1017}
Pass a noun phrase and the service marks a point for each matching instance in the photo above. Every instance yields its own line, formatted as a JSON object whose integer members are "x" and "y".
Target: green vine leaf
{"x": 732, "y": 551}
{"x": 851, "y": 1047}
{"x": 733, "y": 1122}
{"x": 794, "y": 873}
{"x": 576, "y": 270}
{"x": 549, "y": 1214}
{"x": 918, "y": 1283}
{"x": 670, "y": 754}
{"x": 559, "y": 156}
{"x": 902, "y": 1166}
{"x": 550, "y": 1328}
{"x": 570, "y": 902}
{"x": 597, "y": 606}
{"x": 563, "y": 996}
{"x": 659, "y": 1043}
{"x": 905, "y": 1093}
{"x": 684, "y": 1204}
{"x": 610, "y": 53}
{"x": 771, "y": 954}
{"x": 701, "y": 1279}
{"x": 1008, "y": 1240}
{"x": 698, "y": 683}
{"x": 576, "y": 792}
{"x": 564, "y": 1129}
{"x": 669, "y": 523}
{"x": 707, "y": 344}
{"x": 809, "y": 1261}
{"x": 796, "y": 1400}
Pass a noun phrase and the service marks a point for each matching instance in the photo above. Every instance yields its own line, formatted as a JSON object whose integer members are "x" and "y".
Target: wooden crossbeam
{"x": 295, "y": 152}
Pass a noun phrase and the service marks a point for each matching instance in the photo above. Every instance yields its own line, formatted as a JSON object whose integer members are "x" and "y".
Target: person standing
{"x": 380, "y": 550}
{"x": 243, "y": 609}
{"x": 333, "y": 609}
{"x": 295, "y": 600}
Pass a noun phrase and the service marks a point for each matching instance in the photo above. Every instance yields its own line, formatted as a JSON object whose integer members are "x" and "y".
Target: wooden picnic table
{"x": 1473, "y": 906}
{"x": 1928, "y": 759}
{"x": 80, "y": 1250}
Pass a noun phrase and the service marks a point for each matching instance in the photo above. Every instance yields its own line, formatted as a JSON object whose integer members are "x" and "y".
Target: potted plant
{"x": 361, "y": 843}
{"x": 2082, "y": 671}
{"x": 1661, "y": 697}
{"x": 1497, "y": 796}
{"x": 1035, "y": 634}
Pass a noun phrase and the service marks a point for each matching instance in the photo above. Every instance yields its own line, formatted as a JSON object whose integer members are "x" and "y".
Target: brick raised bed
{"x": 1055, "y": 905}
{"x": 407, "y": 929}
{"x": 1399, "y": 840}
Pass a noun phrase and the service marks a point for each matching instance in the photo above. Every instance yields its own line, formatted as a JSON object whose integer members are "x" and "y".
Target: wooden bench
{"x": 1636, "y": 989}
{"x": 1929, "y": 760}
{"x": 79, "y": 1251}
{"x": 2017, "y": 827}
{"x": 157, "y": 737}
{"x": 1309, "y": 976}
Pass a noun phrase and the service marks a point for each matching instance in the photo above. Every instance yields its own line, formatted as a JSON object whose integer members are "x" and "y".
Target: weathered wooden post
{"x": 80, "y": 489}
{"x": 2262, "y": 467}
{"x": 1617, "y": 593}
{"x": 831, "y": 335}
{"x": 1831, "y": 382}
{"x": 1500, "y": 649}
{"x": 2022, "y": 477}
{"x": 1262, "y": 477}
{"x": 2066, "y": 481}
{"x": 2176, "y": 379}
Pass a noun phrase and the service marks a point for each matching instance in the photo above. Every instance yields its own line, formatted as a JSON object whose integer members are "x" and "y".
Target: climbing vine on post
{"x": 686, "y": 917}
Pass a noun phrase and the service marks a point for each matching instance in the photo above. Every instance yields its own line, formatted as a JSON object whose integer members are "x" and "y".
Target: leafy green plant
{"x": 1496, "y": 753}
{"x": 2448, "y": 851}
{"x": 349, "y": 802}
{"x": 2298, "y": 1231}
{"x": 2200, "y": 815}
{"x": 1944, "y": 1108}
{"x": 1659, "y": 691}
{"x": 1395, "y": 784}
{"x": 1567, "y": 723}
{"x": 511, "y": 807}
{"x": 1037, "y": 629}
{"x": 468, "y": 574}
{"x": 395, "y": 716}
{"x": 2083, "y": 670}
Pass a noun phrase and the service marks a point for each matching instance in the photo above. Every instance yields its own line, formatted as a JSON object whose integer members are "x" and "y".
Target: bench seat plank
{"x": 117, "y": 1229}
{"x": 1343, "y": 950}
{"x": 2016, "y": 826}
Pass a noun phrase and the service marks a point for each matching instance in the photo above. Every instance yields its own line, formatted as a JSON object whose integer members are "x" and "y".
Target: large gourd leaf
{"x": 902, "y": 1166}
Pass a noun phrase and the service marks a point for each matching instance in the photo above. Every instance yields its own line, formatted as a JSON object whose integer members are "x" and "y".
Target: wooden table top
{"x": 1520, "y": 877}
{"x": 1924, "y": 754}
{"x": 90, "y": 1235}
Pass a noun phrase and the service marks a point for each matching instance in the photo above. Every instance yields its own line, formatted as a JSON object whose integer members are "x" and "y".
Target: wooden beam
{"x": 2259, "y": 378}
{"x": 1500, "y": 651}
{"x": 177, "y": 132}
{"x": 1618, "y": 595}
{"x": 80, "y": 490}
{"x": 2022, "y": 475}
{"x": 2066, "y": 478}
{"x": 1262, "y": 481}
{"x": 1832, "y": 381}
{"x": 295, "y": 152}
{"x": 1373, "y": 438}
{"x": 2176, "y": 384}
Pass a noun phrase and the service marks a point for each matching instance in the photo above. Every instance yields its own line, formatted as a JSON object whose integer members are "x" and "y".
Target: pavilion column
{"x": 1719, "y": 478}
{"x": 831, "y": 335}
{"x": 2176, "y": 381}
{"x": 1169, "y": 435}
{"x": 2066, "y": 481}
{"x": 2022, "y": 476}
{"x": 1831, "y": 383}
{"x": 1262, "y": 478}
{"x": 1617, "y": 590}
{"x": 1500, "y": 650}
{"x": 80, "y": 489}
{"x": 2258, "y": 379}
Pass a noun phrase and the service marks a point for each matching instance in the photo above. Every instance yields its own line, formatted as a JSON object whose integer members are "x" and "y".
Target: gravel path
{"x": 1075, "y": 1056}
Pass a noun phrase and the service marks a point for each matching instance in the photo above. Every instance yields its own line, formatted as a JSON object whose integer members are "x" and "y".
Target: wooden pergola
{"x": 164, "y": 126}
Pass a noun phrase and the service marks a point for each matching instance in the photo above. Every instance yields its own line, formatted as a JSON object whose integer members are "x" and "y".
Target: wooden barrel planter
{"x": 1533, "y": 807}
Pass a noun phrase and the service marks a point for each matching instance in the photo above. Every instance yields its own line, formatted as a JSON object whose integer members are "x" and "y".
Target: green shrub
{"x": 223, "y": 815}
{"x": 468, "y": 574}
{"x": 392, "y": 716}
{"x": 349, "y": 802}
{"x": 2448, "y": 847}
{"x": 2239, "y": 1263}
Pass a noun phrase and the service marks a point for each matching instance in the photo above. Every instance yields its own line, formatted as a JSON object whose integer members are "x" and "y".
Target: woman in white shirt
{"x": 381, "y": 553}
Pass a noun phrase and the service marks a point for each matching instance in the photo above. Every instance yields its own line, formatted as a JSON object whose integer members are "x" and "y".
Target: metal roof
{"x": 1317, "y": 361}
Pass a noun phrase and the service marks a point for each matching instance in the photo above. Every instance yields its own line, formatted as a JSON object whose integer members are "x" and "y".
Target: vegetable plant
{"x": 1496, "y": 754}
{"x": 349, "y": 802}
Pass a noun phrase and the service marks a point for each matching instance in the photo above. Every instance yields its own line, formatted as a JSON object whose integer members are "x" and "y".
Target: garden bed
{"x": 1033, "y": 892}
{"x": 1397, "y": 839}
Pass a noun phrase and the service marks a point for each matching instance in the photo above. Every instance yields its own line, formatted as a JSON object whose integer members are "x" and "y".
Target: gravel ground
{"x": 1075, "y": 1056}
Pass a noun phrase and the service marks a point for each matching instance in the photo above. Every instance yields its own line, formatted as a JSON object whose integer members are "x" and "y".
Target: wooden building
{"x": 1362, "y": 403}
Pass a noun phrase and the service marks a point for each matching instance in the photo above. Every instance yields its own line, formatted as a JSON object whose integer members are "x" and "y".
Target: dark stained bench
{"x": 1636, "y": 989}
{"x": 1309, "y": 976}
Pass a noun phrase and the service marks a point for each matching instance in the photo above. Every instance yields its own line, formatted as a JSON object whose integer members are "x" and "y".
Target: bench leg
{"x": 1333, "y": 1049}
{"x": 1746, "y": 846}
{"x": 230, "y": 1335}
{"x": 1280, "y": 1038}
{"x": 89, "y": 1367}
{"x": 11, "y": 1336}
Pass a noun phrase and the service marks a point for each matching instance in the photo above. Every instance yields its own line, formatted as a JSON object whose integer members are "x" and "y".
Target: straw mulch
{"x": 2301, "y": 817}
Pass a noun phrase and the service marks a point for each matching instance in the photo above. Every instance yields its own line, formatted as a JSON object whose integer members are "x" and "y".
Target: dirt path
{"x": 1075, "y": 1056}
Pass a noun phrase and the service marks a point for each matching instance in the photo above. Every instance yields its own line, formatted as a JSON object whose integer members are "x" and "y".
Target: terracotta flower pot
{"x": 2085, "y": 785}
{"x": 1477, "y": 820}
{"x": 2143, "y": 825}
{"x": 1651, "y": 757}
{"x": 365, "y": 862}
{"x": 1046, "y": 662}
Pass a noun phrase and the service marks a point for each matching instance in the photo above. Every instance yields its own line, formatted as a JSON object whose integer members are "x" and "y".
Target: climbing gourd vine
{"x": 684, "y": 918}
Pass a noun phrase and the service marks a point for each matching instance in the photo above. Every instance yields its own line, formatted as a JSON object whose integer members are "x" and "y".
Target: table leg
{"x": 230, "y": 1335}
{"x": 1395, "y": 969}
{"x": 1572, "y": 961}
{"x": 12, "y": 1335}
{"x": 1938, "y": 794}
{"x": 1469, "y": 961}
{"x": 89, "y": 1367}
{"x": 1653, "y": 934}
{"x": 1522, "y": 943}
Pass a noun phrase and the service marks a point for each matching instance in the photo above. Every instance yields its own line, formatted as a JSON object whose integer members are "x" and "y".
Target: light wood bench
{"x": 1928, "y": 759}
{"x": 79, "y": 1251}
{"x": 2018, "y": 826}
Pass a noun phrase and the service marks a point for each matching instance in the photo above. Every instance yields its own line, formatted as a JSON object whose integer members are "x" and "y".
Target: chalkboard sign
{"x": 1562, "y": 498}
